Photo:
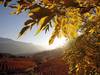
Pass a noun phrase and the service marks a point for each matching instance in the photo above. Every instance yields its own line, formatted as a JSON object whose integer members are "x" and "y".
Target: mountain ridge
{"x": 16, "y": 47}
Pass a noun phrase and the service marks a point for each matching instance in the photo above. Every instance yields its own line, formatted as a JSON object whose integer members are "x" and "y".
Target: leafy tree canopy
{"x": 66, "y": 17}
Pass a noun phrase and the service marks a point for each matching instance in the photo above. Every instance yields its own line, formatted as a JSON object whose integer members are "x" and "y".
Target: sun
{"x": 58, "y": 42}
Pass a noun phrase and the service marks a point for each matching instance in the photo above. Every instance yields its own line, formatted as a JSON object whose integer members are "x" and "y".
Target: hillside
{"x": 16, "y": 47}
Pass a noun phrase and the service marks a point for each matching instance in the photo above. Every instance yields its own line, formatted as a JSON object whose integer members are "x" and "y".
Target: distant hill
{"x": 8, "y": 46}
{"x": 16, "y": 47}
{"x": 44, "y": 56}
{"x": 6, "y": 55}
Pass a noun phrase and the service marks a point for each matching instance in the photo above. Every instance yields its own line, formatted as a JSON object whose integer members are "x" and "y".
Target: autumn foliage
{"x": 67, "y": 18}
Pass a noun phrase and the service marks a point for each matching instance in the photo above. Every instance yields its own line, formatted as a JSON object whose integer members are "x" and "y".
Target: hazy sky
{"x": 10, "y": 25}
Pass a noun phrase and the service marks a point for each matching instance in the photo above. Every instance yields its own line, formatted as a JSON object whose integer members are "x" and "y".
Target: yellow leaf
{"x": 37, "y": 32}
{"x": 51, "y": 7}
{"x": 43, "y": 22}
{"x": 12, "y": 13}
{"x": 36, "y": 9}
{"x": 1, "y": 2}
{"x": 30, "y": 14}
{"x": 98, "y": 10}
{"x": 46, "y": 2}
{"x": 97, "y": 43}
{"x": 72, "y": 31}
{"x": 91, "y": 31}
{"x": 18, "y": 9}
{"x": 53, "y": 36}
{"x": 51, "y": 40}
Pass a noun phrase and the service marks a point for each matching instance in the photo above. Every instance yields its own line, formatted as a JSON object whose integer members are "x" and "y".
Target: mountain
{"x": 16, "y": 47}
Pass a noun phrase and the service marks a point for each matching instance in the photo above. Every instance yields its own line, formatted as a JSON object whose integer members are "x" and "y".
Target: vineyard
{"x": 16, "y": 65}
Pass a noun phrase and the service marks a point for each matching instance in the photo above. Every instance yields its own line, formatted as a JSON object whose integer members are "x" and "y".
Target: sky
{"x": 10, "y": 26}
